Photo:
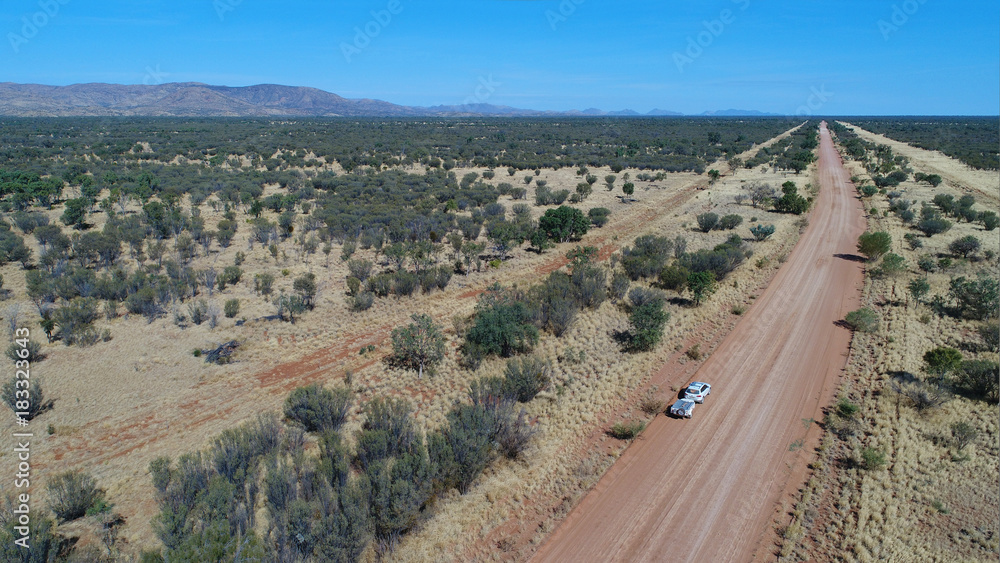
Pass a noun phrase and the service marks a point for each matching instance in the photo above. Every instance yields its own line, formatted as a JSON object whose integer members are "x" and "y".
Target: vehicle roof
{"x": 682, "y": 401}
{"x": 697, "y": 383}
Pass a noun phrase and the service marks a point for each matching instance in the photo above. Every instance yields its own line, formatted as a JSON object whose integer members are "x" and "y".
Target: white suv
{"x": 697, "y": 391}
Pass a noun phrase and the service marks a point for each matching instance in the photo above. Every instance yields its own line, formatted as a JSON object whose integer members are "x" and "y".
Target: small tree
{"x": 965, "y": 246}
{"x": 892, "y": 265}
{"x": 874, "y": 245}
{"x": 962, "y": 434}
{"x": 648, "y": 321}
{"x": 305, "y": 287}
{"x": 628, "y": 188}
{"x": 981, "y": 378}
{"x": 701, "y": 285}
{"x": 564, "y": 223}
{"x": 978, "y": 298}
{"x": 918, "y": 288}
{"x": 419, "y": 344}
{"x": 941, "y": 361}
{"x": 75, "y": 212}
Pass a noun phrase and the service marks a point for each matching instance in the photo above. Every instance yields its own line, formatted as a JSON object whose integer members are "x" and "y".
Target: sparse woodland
{"x": 485, "y": 296}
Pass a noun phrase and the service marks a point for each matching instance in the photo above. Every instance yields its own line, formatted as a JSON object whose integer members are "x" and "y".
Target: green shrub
{"x": 647, "y": 257}
{"x": 31, "y": 353}
{"x": 231, "y": 308}
{"x": 599, "y": 216}
{"x": 934, "y": 226}
{"x": 729, "y": 222}
{"x": 619, "y": 286}
{"x": 942, "y": 360}
{"x": 262, "y": 283}
{"x": 564, "y": 223}
{"x": 317, "y": 408}
{"x": 864, "y": 320}
{"x": 872, "y": 458}
{"x": 845, "y": 408}
{"x": 762, "y": 232}
{"x": 32, "y": 405}
{"x": 874, "y": 245}
{"x": 526, "y": 377}
{"x": 707, "y": 221}
{"x": 977, "y": 299}
{"x": 74, "y": 320}
{"x": 231, "y": 275}
{"x": 362, "y": 301}
{"x": 674, "y": 277}
{"x": 502, "y": 325}
{"x": 989, "y": 332}
{"x": 989, "y": 220}
{"x": 72, "y": 494}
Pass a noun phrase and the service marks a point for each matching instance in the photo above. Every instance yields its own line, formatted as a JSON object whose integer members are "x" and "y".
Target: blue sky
{"x": 850, "y": 57}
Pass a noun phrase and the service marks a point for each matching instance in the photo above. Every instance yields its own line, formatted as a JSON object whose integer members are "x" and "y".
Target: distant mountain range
{"x": 193, "y": 99}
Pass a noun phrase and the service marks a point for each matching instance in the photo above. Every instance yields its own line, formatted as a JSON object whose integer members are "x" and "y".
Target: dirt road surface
{"x": 704, "y": 489}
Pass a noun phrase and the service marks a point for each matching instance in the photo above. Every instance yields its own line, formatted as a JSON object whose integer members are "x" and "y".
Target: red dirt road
{"x": 704, "y": 489}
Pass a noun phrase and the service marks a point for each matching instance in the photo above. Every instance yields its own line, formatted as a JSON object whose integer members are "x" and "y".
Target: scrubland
{"x": 908, "y": 465}
{"x": 119, "y": 404}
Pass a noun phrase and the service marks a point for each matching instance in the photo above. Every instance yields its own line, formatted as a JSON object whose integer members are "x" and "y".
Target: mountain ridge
{"x": 196, "y": 99}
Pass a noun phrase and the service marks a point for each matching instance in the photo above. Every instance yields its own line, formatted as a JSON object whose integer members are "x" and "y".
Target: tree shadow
{"x": 903, "y": 376}
{"x": 846, "y": 462}
{"x": 851, "y": 258}
{"x": 680, "y": 301}
{"x": 622, "y": 337}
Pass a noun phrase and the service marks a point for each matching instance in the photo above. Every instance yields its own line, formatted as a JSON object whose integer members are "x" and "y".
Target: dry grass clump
{"x": 627, "y": 430}
{"x": 651, "y": 404}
